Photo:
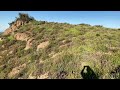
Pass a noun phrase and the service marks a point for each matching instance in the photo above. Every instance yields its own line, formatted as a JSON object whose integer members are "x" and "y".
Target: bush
{"x": 42, "y": 22}
{"x": 97, "y": 34}
{"x": 10, "y": 38}
{"x": 85, "y": 24}
{"x": 25, "y": 17}
{"x": 98, "y": 26}
{"x": 1, "y": 42}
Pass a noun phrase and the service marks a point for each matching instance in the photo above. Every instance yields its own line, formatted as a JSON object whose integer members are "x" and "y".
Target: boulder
{"x": 13, "y": 27}
{"x": 21, "y": 36}
{"x": 43, "y": 45}
{"x": 15, "y": 71}
{"x": 29, "y": 44}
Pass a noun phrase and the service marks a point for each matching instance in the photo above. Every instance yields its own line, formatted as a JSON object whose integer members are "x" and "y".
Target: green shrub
{"x": 10, "y": 38}
{"x": 1, "y": 42}
{"x": 97, "y": 34}
{"x": 98, "y": 26}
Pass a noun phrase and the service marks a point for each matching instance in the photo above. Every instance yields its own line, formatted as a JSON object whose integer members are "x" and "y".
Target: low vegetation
{"x": 70, "y": 48}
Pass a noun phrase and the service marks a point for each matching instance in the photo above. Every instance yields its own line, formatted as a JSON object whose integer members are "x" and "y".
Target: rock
{"x": 13, "y": 27}
{"x": 52, "y": 53}
{"x": 42, "y": 45}
{"x": 7, "y": 31}
{"x": 29, "y": 44}
{"x": 20, "y": 78}
{"x": 3, "y": 52}
{"x": 15, "y": 71}
{"x": 44, "y": 76}
{"x": 3, "y": 46}
{"x": 66, "y": 45}
{"x": 19, "y": 23}
{"x": 21, "y": 36}
{"x": 64, "y": 41}
{"x": 31, "y": 77}
{"x": 56, "y": 55}
{"x": 10, "y": 52}
{"x": 41, "y": 62}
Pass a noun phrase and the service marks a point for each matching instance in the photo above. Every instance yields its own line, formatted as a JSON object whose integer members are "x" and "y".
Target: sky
{"x": 110, "y": 19}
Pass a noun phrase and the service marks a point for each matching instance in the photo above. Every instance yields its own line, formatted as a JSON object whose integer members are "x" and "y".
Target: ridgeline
{"x": 31, "y": 49}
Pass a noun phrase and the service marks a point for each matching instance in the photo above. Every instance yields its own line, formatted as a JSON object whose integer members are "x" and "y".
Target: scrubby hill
{"x": 31, "y": 49}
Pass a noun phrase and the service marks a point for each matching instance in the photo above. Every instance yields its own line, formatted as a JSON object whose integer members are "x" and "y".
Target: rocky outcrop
{"x": 21, "y": 36}
{"x": 43, "y": 45}
{"x": 19, "y": 23}
{"x": 13, "y": 27}
{"x": 65, "y": 43}
{"x": 25, "y": 37}
{"x": 29, "y": 44}
{"x": 15, "y": 71}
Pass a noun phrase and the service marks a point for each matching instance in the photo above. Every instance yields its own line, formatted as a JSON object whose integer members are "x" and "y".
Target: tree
{"x": 25, "y": 17}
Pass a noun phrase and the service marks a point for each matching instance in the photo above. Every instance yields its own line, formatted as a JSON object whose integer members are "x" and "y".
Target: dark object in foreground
{"x": 88, "y": 73}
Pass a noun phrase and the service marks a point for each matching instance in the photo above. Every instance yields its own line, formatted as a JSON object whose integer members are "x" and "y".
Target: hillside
{"x": 31, "y": 49}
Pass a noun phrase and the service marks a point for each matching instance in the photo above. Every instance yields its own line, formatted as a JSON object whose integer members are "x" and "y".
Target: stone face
{"x": 42, "y": 45}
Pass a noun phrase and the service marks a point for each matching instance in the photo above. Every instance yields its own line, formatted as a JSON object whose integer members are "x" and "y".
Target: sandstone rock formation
{"x": 21, "y": 36}
{"x": 13, "y": 27}
{"x": 15, "y": 71}
{"x": 29, "y": 44}
{"x": 43, "y": 45}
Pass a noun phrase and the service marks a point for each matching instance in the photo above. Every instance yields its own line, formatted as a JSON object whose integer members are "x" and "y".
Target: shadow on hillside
{"x": 88, "y": 73}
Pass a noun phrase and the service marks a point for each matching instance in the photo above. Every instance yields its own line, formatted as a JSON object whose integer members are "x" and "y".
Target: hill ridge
{"x": 31, "y": 49}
